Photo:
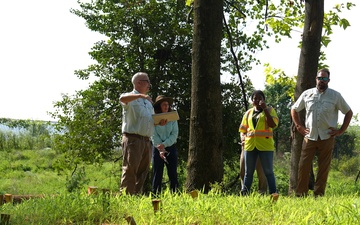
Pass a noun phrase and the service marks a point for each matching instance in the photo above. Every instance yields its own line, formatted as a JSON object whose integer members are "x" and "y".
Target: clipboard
{"x": 169, "y": 116}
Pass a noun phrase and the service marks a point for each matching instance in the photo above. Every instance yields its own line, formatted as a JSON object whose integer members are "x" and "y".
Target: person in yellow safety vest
{"x": 256, "y": 130}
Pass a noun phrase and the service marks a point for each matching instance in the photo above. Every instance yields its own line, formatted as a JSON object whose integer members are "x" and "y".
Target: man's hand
{"x": 335, "y": 132}
{"x": 302, "y": 130}
{"x": 146, "y": 97}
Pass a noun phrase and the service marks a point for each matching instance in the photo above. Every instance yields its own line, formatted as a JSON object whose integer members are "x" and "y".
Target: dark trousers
{"x": 158, "y": 169}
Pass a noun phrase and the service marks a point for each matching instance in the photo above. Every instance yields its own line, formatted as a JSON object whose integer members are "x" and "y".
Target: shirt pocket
{"x": 328, "y": 106}
{"x": 140, "y": 108}
{"x": 310, "y": 104}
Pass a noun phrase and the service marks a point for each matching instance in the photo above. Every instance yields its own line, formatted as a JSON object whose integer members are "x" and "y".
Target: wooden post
{"x": 194, "y": 194}
{"x": 8, "y": 198}
{"x": 274, "y": 197}
{"x": 92, "y": 190}
{"x": 156, "y": 204}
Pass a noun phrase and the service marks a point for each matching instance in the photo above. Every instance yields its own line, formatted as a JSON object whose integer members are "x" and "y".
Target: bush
{"x": 349, "y": 166}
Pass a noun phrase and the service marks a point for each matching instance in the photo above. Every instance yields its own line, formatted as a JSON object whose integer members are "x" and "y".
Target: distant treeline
{"x": 25, "y": 134}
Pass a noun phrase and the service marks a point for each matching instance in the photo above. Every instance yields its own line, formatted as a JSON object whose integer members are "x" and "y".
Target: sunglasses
{"x": 323, "y": 78}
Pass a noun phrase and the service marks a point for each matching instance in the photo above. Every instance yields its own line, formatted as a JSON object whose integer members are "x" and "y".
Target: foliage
{"x": 279, "y": 92}
{"x": 90, "y": 120}
{"x": 77, "y": 181}
{"x": 36, "y": 172}
{"x": 233, "y": 109}
{"x": 29, "y": 172}
{"x": 137, "y": 41}
{"x": 345, "y": 144}
{"x": 156, "y": 37}
{"x": 25, "y": 134}
{"x": 349, "y": 166}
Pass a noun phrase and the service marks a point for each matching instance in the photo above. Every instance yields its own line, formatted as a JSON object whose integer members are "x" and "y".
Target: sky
{"x": 341, "y": 53}
{"x": 42, "y": 44}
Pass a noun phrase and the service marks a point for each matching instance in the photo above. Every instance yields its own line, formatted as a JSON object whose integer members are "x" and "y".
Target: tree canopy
{"x": 156, "y": 37}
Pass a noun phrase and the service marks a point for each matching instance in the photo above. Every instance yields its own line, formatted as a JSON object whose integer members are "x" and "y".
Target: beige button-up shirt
{"x": 321, "y": 111}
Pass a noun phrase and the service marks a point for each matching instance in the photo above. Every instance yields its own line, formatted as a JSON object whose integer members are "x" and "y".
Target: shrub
{"x": 349, "y": 166}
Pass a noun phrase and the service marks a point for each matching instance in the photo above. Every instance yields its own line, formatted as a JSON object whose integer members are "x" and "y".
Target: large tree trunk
{"x": 205, "y": 162}
{"x": 308, "y": 67}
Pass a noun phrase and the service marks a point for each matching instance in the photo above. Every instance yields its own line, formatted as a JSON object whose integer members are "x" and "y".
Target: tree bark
{"x": 308, "y": 67}
{"x": 205, "y": 162}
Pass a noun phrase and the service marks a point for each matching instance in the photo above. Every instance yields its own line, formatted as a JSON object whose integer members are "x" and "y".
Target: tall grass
{"x": 212, "y": 208}
{"x": 32, "y": 172}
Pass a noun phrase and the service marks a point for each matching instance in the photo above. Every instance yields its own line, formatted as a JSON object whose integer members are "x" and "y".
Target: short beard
{"x": 322, "y": 88}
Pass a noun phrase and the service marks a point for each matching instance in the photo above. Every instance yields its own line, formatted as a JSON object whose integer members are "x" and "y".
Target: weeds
{"x": 340, "y": 205}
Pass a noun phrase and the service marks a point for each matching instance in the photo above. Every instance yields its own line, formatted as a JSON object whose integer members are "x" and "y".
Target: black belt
{"x": 137, "y": 136}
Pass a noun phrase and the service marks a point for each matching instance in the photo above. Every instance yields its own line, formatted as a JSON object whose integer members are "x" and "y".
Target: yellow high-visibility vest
{"x": 260, "y": 137}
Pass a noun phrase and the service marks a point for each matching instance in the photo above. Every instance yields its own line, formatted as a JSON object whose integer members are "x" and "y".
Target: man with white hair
{"x": 137, "y": 128}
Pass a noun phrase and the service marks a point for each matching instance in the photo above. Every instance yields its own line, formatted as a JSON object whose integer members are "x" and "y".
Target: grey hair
{"x": 137, "y": 75}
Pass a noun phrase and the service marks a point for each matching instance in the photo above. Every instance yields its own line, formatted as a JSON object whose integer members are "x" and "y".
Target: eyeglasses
{"x": 323, "y": 78}
{"x": 146, "y": 81}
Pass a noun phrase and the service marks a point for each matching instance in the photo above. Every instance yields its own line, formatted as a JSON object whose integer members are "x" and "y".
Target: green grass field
{"x": 32, "y": 173}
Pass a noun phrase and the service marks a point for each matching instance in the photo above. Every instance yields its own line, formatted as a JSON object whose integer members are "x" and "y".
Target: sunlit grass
{"x": 30, "y": 172}
{"x": 181, "y": 208}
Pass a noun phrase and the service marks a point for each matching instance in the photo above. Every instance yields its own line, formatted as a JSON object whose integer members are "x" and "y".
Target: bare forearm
{"x": 131, "y": 97}
{"x": 346, "y": 121}
{"x": 295, "y": 118}
{"x": 299, "y": 127}
{"x": 269, "y": 119}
